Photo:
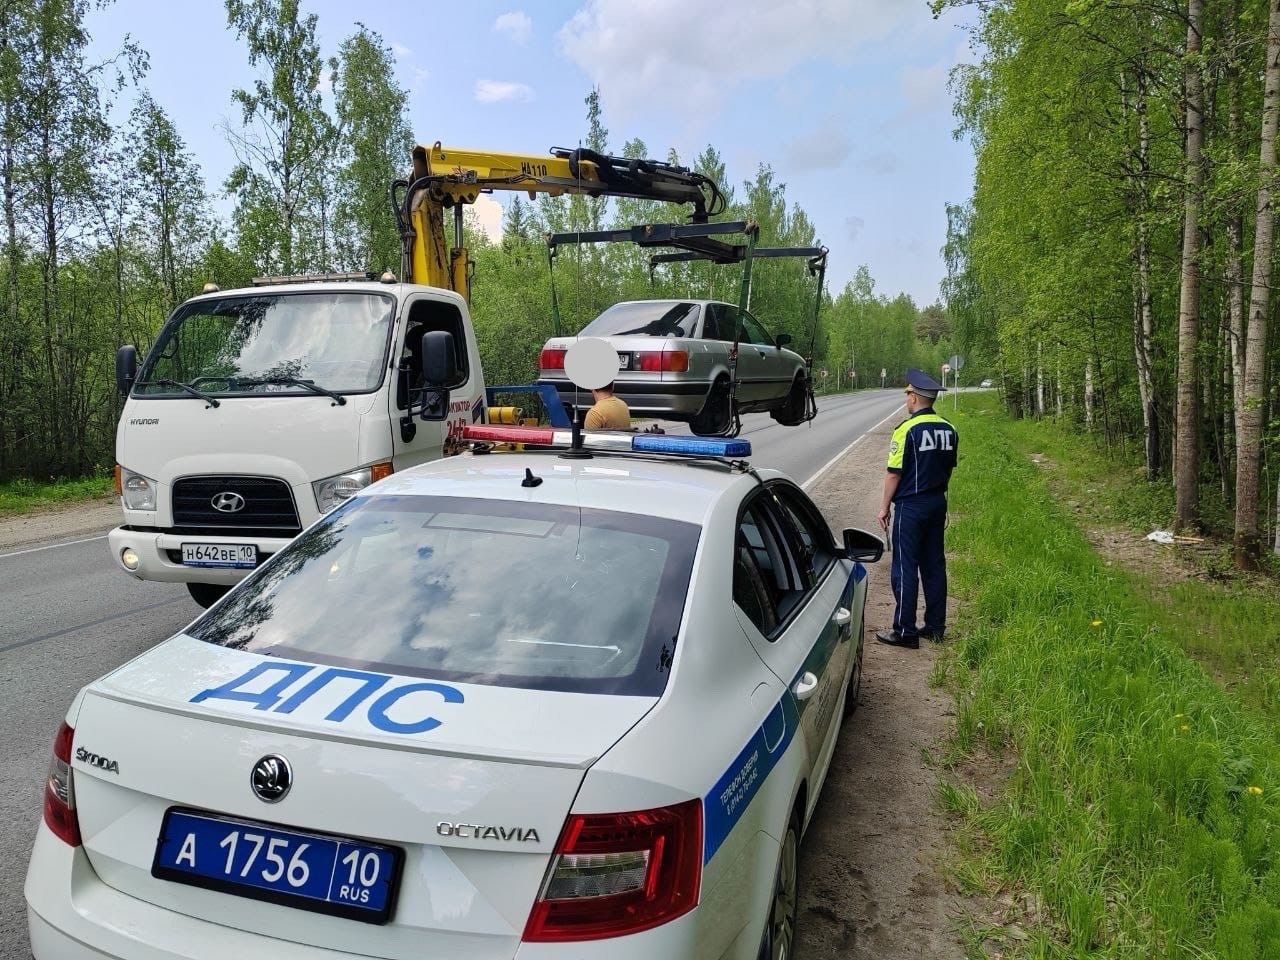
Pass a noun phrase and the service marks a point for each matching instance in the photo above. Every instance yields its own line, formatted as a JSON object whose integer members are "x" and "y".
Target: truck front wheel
{"x": 206, "y": 594}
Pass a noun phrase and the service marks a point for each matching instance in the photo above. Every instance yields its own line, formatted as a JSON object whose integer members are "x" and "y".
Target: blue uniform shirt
{"x": 923, "y": 453}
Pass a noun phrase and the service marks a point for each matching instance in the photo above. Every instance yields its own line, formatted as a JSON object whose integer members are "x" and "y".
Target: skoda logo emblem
{"x": 228, "y": 502}
{"x": 271, "y": 778}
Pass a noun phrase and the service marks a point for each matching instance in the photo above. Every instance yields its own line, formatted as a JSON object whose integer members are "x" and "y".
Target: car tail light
{"x": 619, "y": 873}
{"x": 666, "y": 361}
{"x": 551, "y": 359}
{"x": 59, "y": 795}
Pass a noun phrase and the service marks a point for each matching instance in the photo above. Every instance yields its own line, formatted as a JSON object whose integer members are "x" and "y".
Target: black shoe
{"x": 932, "y": 637}
{"x": 894, "y": 639}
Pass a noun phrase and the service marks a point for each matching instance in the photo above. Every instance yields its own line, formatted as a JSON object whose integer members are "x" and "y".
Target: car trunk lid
{"x": 474, "y": 800}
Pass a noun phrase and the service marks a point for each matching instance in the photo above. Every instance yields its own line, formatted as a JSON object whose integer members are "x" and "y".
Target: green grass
{"x": 23, "y": 496}
{"x": 1144, "y": 807}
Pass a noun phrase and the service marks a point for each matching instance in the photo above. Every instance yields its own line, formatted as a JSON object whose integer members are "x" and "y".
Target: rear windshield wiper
{"x": 210, "y": 401}
{"x": 337, "y": 398}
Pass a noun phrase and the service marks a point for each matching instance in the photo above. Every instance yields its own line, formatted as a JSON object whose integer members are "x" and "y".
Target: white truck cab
{"x": 259, "y": 409}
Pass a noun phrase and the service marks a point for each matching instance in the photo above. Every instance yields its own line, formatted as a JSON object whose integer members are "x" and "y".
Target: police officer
{"x": 922, "y": 455}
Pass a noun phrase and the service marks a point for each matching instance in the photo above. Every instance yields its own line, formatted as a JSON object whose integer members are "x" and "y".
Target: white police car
{"x": 515, "y": 705}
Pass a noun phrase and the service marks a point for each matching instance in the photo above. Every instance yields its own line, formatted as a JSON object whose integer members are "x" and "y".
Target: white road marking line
{"x": 834, "y": 460}
{"x": 69, "y": 543}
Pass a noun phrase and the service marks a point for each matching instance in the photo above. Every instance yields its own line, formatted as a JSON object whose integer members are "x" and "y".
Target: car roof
{"x": 672, "y": 488}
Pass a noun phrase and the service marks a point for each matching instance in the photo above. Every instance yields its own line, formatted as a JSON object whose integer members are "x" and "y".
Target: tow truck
{"x": 259, "y": 409}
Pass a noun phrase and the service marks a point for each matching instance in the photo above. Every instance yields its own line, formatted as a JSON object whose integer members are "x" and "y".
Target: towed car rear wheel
{"x": 717, "y": 411}
{"x": 780, "y": 925}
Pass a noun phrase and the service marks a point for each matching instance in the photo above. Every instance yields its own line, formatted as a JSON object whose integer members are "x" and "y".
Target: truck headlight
{"x": 332, "y": 491}
{"x": 137, "y": 492}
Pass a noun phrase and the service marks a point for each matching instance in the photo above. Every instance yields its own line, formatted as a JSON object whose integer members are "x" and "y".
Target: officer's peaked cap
{"x": 923, "y": 384}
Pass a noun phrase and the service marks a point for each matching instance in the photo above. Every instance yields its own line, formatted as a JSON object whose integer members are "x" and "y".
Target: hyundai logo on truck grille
{"x": 271, "y": 778}
{"x": 227, "y": 502}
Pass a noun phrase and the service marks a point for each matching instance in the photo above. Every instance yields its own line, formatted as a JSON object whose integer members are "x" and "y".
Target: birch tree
{"x": 1253, "y": 393}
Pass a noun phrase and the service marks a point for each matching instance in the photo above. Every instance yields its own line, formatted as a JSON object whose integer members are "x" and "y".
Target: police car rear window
{"x": 474, "y": 591}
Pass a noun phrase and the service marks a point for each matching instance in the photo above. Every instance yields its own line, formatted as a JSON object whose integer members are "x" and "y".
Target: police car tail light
{"x": 665, "y": 361}
{"x": 59, "y": 795}
{"x": 551, "y": 359}
{"x": 615, "y": 874}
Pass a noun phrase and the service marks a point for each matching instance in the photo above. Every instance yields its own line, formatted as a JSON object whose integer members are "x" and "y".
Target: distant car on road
{"x": 510, "y": 705}
{"x": 673, "y": 357}
{"x": 986, "y": 383}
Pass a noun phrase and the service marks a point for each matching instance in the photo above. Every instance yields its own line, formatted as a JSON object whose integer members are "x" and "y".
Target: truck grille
{"x": 268, "y": 504}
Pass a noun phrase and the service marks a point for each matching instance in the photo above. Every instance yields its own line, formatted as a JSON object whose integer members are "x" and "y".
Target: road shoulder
{"x": 871, "y": 876}
{"x": 87, "y": 519}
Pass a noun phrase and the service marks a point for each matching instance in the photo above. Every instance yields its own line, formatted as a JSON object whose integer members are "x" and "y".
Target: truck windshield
{"x": 496, "y": 592}
{"x": 653, "y": 318}
{"x": 290, "y": 343}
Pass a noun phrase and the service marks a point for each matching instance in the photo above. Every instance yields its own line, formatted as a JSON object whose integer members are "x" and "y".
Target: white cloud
{"x": 925, "y": 88}
{"x": 516, "y": 25}
{"x": 676, "y": 53}
{"x": 400, "y": 50}
{"x": 496, "y": 91}
{"x": 880, "y": 162}
{"x": 488, "y": 214}
{"x": 823, "y": 149}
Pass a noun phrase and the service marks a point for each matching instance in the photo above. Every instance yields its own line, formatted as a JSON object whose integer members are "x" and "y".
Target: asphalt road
{"x": 67, "y": 616}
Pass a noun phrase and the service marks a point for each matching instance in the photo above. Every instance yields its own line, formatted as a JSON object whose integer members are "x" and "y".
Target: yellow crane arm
{"x": 446, "y": 177}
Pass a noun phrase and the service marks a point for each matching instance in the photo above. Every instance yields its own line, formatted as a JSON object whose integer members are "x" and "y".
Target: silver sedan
{"x": 674, "y": 363}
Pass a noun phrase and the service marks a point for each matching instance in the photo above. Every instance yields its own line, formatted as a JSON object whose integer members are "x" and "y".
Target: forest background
{"x": 109, "y": 225}
{"x": 1116, "y": 261}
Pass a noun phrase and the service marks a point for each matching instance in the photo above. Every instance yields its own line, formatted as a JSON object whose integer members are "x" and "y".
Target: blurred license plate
{"x": 624, "y": 361}
{"x": 220, "y": 554}
{"x": 348, "y": 878}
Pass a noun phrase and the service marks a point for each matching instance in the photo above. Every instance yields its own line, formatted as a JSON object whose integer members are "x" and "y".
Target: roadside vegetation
{"x": 1115, "y": 768}
{"x": 24, "y": 496}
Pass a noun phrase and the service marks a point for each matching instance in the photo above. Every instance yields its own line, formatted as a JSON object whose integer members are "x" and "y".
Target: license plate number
{"x": 348, "y": 878}
{"x": 220, "y": 555}
{"x": 624, "y": 361}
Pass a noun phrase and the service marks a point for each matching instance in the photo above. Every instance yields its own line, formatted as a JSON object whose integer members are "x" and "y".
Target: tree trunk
{"x": 1249, "y": 414}
{"x": 1088, "y": 395}
{"x": 1235, "y": 246}
{"x": 1039, "y": 383}
{"x": 1186, "y": 492}
{"x": 1144, "y": 326}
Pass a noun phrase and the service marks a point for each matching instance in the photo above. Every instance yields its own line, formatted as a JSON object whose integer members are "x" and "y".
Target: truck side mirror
{"x": 126, "y": 369}
{"x": 439, "y": 370}
{"x": 863, "y": 546}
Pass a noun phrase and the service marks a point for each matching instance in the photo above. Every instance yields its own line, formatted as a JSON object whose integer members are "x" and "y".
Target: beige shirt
{"x": 608, "y": 413}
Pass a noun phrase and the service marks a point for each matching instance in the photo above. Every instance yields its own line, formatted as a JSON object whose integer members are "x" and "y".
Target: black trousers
{"x": 918, "y": 522}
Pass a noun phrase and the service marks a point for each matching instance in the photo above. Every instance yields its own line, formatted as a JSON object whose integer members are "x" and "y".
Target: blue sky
{"x": 846, "y": 99}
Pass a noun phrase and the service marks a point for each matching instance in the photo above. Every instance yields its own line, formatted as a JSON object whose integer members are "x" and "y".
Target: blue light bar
{"x": 692, "y": 446}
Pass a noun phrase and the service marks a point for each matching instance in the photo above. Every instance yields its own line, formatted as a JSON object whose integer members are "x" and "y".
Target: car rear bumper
{"x": 73, "y": 915}
{"x": 673, "y": 400}
{"x": 157, "y": 550}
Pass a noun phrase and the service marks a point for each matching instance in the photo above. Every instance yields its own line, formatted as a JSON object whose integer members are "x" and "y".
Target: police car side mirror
{"x": 862, "y": 546}
{"x": 126, "y": 369}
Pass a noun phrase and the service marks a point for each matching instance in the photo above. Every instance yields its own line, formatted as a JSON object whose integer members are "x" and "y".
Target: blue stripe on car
{"x": 732, "y": 794}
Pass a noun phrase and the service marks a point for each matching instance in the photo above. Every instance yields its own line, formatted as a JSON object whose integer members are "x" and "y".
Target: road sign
{"x": 946, "y": 368}
{"x": 824, "y": 374}
{"x": 956, "y": 362}
{"x": 853, "y": 373}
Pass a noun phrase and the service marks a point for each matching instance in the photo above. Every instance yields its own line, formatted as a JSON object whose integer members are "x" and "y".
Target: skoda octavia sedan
{"x": 502, "y": 706}
{"x": 673, "y": 358}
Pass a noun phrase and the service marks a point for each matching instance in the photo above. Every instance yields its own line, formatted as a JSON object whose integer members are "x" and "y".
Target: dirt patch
{"x": 89, "y": 519}
{"x": 872, "y": 877}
